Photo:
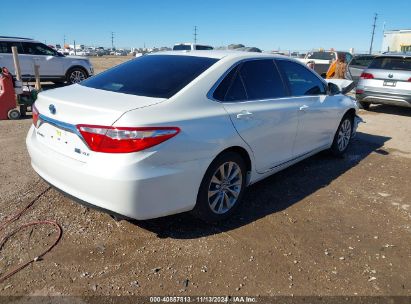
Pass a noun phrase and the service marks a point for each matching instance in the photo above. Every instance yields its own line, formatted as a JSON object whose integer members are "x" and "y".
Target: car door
{"x": 317, "y": 112}
{"x": 50, "y": 63}
{"x": 255, "y": 97}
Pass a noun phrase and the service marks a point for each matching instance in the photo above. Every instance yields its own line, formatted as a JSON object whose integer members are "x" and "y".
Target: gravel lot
{"x": 325, "y": 226}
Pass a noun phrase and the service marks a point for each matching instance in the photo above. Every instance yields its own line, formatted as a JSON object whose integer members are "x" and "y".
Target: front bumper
{"x": 136, "y": 189}
{"x": 357, "y": 121}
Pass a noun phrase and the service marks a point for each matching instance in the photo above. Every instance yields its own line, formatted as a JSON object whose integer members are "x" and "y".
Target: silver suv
{"x": 54, "y": 66}
{"x": 387, "y": 80}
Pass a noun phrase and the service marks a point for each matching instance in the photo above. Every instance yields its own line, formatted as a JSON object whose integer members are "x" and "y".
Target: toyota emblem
{"x": 52, "y": 109}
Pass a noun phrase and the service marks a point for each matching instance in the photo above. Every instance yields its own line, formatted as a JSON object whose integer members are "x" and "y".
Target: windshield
{"x": 182, "y": 47}
{"x": 151, "y": 75}
{"x": 322, "y": 55}
{"x": 391, "y": 63}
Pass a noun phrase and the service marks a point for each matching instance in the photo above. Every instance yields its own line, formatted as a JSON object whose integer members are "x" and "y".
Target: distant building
{"x": 396, "y": 41}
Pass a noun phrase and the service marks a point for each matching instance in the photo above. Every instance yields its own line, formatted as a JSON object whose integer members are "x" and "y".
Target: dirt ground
{"x": 325, "y": 226}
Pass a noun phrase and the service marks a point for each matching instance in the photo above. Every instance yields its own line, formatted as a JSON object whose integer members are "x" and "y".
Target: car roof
{"x": 16, "y": 39}
{"x": 219, "y": 54}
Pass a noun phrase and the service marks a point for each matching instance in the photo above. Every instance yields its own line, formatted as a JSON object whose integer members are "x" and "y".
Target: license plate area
{"x": 390, "y": 83}
{"x": 62, "y": 141}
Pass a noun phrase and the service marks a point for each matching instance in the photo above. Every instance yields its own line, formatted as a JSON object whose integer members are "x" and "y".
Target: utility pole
{"x": 64, "y": 39}
{"x": 112, "y": 40}
{"x": 373, "y": 32}
{"x": 195, "y": 34}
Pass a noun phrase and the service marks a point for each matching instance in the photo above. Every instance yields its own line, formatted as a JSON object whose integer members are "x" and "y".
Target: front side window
{"x": 159, "y": 76}
{"x": 301, "y": 80}
{"x": 348, "y": 57}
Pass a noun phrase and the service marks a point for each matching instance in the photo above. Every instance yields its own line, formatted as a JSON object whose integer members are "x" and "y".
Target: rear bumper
{"x": 385, "y": 98}
{"x": 136, "y": 189}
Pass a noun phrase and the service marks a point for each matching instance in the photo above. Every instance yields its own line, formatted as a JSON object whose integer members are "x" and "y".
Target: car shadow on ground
{"x": 386, "y": 109}
{"x": 273, "y": 194}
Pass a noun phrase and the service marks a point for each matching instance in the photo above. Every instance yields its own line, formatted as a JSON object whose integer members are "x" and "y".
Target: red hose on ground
{"x": 9, "y": 235}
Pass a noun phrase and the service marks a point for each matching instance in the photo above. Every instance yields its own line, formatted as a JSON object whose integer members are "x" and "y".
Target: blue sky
{"x": 267, "y": 24}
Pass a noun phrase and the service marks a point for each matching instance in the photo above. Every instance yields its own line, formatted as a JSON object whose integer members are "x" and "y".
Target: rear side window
{"x": 251, "y": 80}
{"x": 151, "y": 75}
{"x": 391, "y": 63}
{"x": 5, "y": 47}
{"x": 301, "y": 80}
{"x": 262, "y": 80}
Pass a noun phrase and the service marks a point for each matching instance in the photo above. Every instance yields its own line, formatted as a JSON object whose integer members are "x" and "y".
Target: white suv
{"x": 54, "y": 66}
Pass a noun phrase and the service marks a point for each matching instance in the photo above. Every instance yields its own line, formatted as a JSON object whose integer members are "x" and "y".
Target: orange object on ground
{"x": 7, "y": 94}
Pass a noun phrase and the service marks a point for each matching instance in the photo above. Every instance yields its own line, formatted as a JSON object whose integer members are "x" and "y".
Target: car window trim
{"x": 238, "y": 67}
{"x": 210, "y": 94}
{"x": 314, "y": 73}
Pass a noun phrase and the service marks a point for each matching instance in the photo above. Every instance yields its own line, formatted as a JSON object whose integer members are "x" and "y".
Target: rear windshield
{"x": 322, "y": 55}
{"x": 391, "y": 63}
{"x": 151, "y": 75}
{"x": 203, "y": 47}
{"x": 182, "y": 47}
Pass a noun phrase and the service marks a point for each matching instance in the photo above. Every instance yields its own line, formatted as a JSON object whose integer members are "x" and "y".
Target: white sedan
{"x": 178, "y": 131}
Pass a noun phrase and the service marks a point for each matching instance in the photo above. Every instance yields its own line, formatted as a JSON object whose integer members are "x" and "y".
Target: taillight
{"x": 35, "y": 114}
{"x": 367, "y": 76}
{"x": 124, "y": 140}
{"x": 409, "y": 80}
{"x": 359, "y": 91}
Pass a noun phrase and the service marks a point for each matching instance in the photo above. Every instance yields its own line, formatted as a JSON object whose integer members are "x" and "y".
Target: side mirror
{"x": 333, "y": 89}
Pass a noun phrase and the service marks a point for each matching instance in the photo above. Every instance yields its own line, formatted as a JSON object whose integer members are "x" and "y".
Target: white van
{"x": 54, "y": 66}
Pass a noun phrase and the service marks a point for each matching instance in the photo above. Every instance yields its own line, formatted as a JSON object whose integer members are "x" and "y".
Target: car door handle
{"x": 244, "y": 114}
{"x": 304, "y": 108}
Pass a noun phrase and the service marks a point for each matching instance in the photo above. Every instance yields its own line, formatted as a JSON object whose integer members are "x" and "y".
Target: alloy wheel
{"x": 225, "y": 187}
{"x": 77, "y": 76}
{"x": 344, "y": 135}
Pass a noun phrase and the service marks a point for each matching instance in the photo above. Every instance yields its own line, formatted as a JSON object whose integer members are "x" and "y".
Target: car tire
{"x": 365, "y": 105}
{"x": 342, "y": 137}
{"x": 76, "y": 75}
{"x": 222, "y": 188}
{"x": 13, "y": 114}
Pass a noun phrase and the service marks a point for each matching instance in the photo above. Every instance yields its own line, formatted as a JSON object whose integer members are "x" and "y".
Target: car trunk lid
{"x": 61, "y": 110}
